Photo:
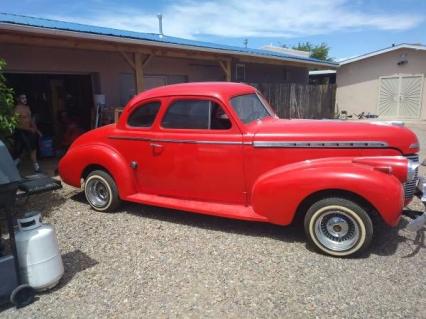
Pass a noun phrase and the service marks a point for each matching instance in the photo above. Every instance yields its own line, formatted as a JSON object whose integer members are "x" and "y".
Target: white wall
{"x": 358, "y": 82}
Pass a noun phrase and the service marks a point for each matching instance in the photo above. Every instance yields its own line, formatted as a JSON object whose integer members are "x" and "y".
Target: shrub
{"x": 8, "y": 118}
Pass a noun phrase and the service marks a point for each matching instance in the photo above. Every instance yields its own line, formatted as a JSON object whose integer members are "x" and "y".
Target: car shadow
{"x": 291, "y": 233}
{"x": 385, "y": 242}
{"x": 387, "y": 239}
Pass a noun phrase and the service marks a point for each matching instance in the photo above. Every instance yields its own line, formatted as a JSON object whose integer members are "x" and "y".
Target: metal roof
{"x": 8, "y": 20}
{"x": 385, "y": 50}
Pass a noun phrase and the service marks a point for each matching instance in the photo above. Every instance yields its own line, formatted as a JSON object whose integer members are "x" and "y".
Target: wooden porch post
{"x": 226, "y": 67}
{"x": 138, "y": 72}
{"x": 137, "y": 64}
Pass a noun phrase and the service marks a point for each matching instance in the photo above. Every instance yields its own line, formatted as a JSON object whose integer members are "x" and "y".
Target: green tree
{"x": 8, "y": 118}
{"x": 319, "y": 51}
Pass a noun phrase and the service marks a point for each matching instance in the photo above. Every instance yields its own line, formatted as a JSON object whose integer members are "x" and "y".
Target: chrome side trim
{"x": 322, "y": 144}
{"x": 197, "y": 142}
{"x": 268, "y": 144}
{"x": 131, "y": 138}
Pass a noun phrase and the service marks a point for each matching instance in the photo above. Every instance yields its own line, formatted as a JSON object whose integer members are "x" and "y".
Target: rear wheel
{"x": 101, "y": 191}
{"x": 338, "y": 226}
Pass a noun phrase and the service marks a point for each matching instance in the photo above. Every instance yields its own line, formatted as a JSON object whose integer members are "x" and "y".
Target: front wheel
{"x": 338, "y": 226}
{"x": 101, "y": 191}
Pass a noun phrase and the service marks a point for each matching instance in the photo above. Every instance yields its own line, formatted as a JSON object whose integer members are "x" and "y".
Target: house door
{"x": 400, "y": 96}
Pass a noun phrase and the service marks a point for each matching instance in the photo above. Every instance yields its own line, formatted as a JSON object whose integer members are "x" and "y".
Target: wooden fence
{"x": 291, "y": 100}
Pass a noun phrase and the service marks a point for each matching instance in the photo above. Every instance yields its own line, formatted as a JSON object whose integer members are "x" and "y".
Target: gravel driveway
{"x": 151, "y": 262}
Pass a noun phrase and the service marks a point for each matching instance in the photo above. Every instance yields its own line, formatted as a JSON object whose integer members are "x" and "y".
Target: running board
{"x": 216, "y": 209}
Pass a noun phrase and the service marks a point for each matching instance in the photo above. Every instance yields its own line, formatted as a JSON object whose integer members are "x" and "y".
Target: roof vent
{"x": 160, "y": 24}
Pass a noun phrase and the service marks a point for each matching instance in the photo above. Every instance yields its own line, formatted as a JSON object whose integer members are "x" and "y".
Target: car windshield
{"x": 250, "y": 107}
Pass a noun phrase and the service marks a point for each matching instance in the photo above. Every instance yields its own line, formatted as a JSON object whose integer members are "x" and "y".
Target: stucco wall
{"x": 109, "y": 66}
{"x": 358, "y": 82}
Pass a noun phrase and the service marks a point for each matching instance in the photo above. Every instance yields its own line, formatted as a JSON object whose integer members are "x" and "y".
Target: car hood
{"x": 280, "y": 130}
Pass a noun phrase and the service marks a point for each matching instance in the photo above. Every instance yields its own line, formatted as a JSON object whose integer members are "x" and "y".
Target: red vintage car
{"x": 218, "y": 149}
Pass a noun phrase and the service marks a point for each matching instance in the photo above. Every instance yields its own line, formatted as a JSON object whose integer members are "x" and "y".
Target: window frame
{"x": 139, "y": 105}
{"x": 240, "y": 68}
{"x": 212, "y": 100}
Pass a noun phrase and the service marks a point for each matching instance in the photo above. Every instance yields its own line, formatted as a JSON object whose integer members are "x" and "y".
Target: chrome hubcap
{"x": 337, "y": 227}
{"x": 337, "y": 230}
{"x": 97, "y": 193}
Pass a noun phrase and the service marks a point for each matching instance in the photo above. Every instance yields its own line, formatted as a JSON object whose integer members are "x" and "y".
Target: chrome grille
{"x": 410, "y": 186}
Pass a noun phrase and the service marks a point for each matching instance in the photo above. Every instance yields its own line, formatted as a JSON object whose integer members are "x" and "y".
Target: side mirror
{"x": 424, "y": 162}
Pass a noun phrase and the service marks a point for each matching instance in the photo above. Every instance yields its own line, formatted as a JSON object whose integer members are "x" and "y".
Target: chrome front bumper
{"x": 418, "y": 223}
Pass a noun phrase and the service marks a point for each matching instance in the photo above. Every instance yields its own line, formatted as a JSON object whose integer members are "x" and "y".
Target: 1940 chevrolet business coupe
{"x": 218, "y": 149}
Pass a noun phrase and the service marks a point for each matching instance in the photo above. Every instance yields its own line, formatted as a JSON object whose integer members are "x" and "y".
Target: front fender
{"x": 75, "y": 161}
{"x": 277, "y": 194}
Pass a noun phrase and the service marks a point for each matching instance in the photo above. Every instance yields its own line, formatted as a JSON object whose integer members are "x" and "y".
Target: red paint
{"x": 233, "y": 178}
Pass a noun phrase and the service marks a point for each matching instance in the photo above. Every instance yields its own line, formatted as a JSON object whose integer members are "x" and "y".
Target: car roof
{"x": 216, "y": 89}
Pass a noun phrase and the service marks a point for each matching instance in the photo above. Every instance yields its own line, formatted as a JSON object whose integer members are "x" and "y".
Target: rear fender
{"x": 277, "y": 194}
{"x": 77, "y": 159}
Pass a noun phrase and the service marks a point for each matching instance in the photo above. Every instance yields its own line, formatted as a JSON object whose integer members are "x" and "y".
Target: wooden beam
{"x": 128, "y": 59}
{"x": 138, "y": 72}
{"x": 226, "y": 67}
{"x": 83, "y": 44}
{"x": 147, "y": 59}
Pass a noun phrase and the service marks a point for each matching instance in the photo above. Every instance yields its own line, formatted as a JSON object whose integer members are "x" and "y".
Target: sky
{"x": 349, "y": 27}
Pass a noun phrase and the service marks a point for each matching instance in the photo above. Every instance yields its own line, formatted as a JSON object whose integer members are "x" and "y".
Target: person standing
{"x": 26, "y": 132}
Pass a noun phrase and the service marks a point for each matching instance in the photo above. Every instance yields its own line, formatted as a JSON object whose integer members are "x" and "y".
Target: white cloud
{"x": 251, "y": 18}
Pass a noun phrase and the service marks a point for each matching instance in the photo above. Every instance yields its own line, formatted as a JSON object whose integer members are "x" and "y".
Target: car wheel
{"x": 101, "y": 191}
{"x": 338, "y": 227}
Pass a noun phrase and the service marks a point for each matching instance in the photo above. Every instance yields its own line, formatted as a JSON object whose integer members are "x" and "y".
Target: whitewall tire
{"x": 338, "y": 227}
{"x": 101, "y": 191}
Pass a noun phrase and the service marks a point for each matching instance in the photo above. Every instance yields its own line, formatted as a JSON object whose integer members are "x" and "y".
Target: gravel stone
{"x": 148, "y": 262}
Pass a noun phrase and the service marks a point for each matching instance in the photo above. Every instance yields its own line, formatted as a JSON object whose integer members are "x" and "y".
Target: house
{"x": 62, "y": 65}
{"x": 388, "y": 82}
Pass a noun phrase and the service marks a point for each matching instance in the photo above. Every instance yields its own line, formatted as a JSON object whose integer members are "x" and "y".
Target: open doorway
{"x": 52, "y": 97}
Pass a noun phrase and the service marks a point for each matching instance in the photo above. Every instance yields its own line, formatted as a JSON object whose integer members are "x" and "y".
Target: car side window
{"x": 144, "y": 115}
{"x": 196, "y": 114}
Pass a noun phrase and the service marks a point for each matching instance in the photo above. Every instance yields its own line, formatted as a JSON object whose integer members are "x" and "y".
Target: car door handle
{"x": 156, "y": 148}
{"x": 155, "y": 145}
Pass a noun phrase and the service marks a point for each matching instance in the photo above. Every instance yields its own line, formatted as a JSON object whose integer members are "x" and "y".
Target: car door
{"x": 132, "y": 138}
{"x": 196, "y": 153}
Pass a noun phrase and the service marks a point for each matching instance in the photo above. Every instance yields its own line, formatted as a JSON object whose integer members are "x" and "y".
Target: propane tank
{"x": 39, "y": 257}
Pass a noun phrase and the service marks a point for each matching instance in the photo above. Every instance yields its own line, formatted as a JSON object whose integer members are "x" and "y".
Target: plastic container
{"x": 38, "y": 253}
{"x": 46, "y": 146}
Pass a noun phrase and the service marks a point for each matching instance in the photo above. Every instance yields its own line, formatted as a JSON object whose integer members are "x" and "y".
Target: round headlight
{"x": 412, "y": 170}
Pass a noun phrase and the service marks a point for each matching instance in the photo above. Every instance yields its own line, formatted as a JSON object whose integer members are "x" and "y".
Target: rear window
{"x": 144, "y": 115}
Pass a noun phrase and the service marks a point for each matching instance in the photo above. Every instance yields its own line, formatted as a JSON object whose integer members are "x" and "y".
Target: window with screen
{"x": 196, "y": 114}
{"x": 144, "y": 115}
